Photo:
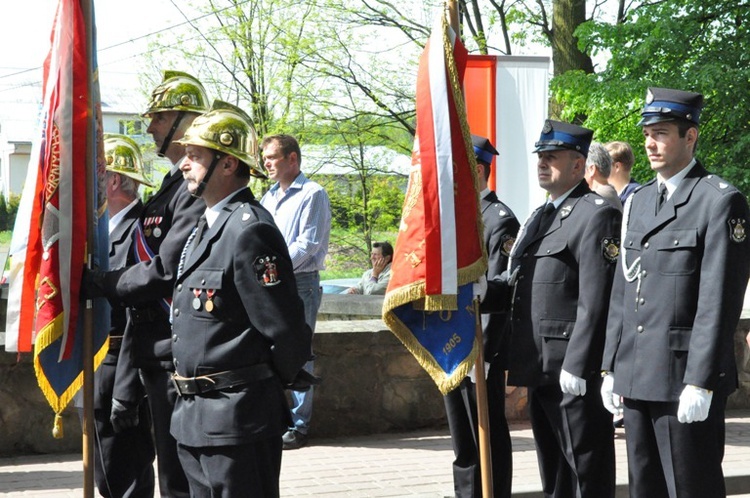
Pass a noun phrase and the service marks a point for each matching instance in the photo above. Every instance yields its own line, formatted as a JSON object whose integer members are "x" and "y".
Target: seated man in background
{"x": 375, "y": 280}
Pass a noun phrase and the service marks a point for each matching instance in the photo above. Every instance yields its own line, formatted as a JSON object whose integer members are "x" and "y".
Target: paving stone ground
{"x": 415, "y": 464}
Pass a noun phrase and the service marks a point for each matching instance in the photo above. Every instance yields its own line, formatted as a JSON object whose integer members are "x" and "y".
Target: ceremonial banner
{"x": 439, "y": 251}
{"x": 49, "y": 243}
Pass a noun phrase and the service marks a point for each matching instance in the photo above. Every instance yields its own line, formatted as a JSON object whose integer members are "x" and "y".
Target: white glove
{"x": 473, "y": 372}
{"x": 694, "y": 404}
{"x": 480, "y": 288}
{"x": 610, "y": 400}
{"x": 570, "y": 384}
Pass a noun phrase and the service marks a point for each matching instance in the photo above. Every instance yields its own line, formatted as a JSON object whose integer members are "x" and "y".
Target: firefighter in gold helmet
{"x": 239, "y": 331}
{"x": 123, "y": 456}
{"x": 174, "y": 104}
{"x": 123, "y": 156}
{"x": 145, "y": 285}
{"x": 227, "y": 130}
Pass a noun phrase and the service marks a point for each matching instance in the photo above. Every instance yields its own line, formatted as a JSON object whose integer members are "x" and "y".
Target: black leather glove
{"x": 303, "y": 381}
{"x": 92, "y": 283}
{"x": 124, "y": 415}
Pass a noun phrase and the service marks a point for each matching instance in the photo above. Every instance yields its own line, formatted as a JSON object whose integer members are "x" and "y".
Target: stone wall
{"x": 371, "y": 384}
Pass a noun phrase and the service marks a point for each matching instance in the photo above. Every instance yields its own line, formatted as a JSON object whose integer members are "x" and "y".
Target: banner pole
{"x": 483, "y": 416}
{"x": 88, "y": 323}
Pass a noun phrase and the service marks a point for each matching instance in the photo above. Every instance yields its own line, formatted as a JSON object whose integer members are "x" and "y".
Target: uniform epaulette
{"x": 247, "y": 213}
{"x": 596, "y": 199}
{"x": 720, "y": 184}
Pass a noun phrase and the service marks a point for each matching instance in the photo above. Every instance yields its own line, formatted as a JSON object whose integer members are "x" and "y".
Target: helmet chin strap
{"x": 211, "y": 167}
{"x": 168, "y": 139}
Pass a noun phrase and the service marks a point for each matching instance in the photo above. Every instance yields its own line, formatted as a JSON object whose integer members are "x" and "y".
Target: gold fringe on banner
{"x": 48, "y": 335}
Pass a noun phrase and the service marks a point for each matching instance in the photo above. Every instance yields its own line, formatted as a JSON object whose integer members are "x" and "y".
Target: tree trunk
{"x": 567, "y": 15}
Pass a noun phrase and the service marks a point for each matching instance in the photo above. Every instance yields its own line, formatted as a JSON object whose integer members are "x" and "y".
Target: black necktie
{"x": 662, "y": 197}
{"x": 545, "y": 218}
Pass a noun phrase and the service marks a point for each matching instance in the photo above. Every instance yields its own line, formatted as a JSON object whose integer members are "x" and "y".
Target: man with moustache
{"x": 238, "y": 322}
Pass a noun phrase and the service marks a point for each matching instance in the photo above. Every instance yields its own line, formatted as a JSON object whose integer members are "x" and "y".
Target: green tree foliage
{"x": 695, "y": 46}
{"x": 3, "y": 214}
{"x": 8, "y": 211}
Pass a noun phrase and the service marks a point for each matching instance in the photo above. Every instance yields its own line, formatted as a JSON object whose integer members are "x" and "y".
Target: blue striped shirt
{"x": 303, "y": 215}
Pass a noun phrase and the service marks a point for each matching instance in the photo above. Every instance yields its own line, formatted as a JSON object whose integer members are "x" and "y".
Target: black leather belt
{"x": 147, "y": 315}
{"x": 115, "y": 342}
{"x": 189, "y": 386}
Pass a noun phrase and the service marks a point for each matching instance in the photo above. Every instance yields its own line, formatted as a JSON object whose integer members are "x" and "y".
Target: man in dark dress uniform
{"x": 559, "y": 275}
{"x": 238, "y": 322}
{"x": 500, "y": 229}
{"x": 146, "y": 284}
{"x": 124, "y": 460}
{"x": 675, "y": 305}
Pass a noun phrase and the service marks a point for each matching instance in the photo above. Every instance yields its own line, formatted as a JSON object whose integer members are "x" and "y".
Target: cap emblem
{"x": 226, "y": 138}
{"x": 649, "y": 97}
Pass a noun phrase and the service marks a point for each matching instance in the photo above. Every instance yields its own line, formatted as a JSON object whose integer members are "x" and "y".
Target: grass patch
{"x": 5, "y": 237}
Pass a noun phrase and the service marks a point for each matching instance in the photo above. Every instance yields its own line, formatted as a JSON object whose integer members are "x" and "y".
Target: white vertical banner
{"x": 522, "y": 97}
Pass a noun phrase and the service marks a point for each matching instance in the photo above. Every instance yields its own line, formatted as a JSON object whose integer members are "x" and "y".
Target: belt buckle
{"x": 176, "y": 384}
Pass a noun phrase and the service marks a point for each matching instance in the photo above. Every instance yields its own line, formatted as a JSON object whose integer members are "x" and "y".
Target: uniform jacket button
{"x": 639, "y": 328}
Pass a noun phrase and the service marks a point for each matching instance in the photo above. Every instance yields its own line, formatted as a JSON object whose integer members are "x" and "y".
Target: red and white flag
{"x": 49, "y": 244}
{"x": 439, "y": 251}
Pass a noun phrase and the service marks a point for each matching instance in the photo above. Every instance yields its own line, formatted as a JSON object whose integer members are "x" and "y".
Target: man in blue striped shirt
{"x": 302, "y": 211}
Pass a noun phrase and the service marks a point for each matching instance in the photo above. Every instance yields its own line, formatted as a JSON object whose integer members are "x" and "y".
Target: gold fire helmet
{"x": 227, "y": 128}
{"x": 124, "y": 157}
{"x": 178, "y": 92}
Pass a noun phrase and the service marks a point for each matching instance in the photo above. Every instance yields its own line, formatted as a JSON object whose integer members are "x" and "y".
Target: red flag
{"x": 439, "y": 250}
{"x": 48, "y": 249}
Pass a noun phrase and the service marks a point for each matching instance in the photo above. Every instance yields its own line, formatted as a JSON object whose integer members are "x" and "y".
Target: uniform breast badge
{"x": 267, "y": 272}
{"x": 737, "y": 232}
{"x": 506, "y": 246}
{"x": 611, "y": 249}
{"x": 197, "y": 299}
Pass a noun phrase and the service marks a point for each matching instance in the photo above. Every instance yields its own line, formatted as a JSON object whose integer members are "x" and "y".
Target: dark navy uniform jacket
{"x": 674, "y": 324}
{"x": 255, "y": 316}
{"x": 500, "y": 229}
{"x": 120, "y": 242}
{"x": 167, "y": 218}
{"x": 559, "y": 307}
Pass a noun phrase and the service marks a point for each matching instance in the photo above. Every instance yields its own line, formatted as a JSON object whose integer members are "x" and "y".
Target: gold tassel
{"x": 57, "y": 430}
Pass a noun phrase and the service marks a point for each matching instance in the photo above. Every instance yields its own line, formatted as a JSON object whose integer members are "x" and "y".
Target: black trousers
{"x": 461, "y": 411}
{"x": 123, "y": 462}
{"x": 247, "y": 470}
{"x": 574, "y": 441}
{"x": 669, "y": 459}
{"x": 161, "y": 399}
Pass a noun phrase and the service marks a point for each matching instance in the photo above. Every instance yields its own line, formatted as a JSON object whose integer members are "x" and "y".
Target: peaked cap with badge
{"x": 557, "y": 135}
{"x": 666, "y": 104}
{"x": 675, "y": 305}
